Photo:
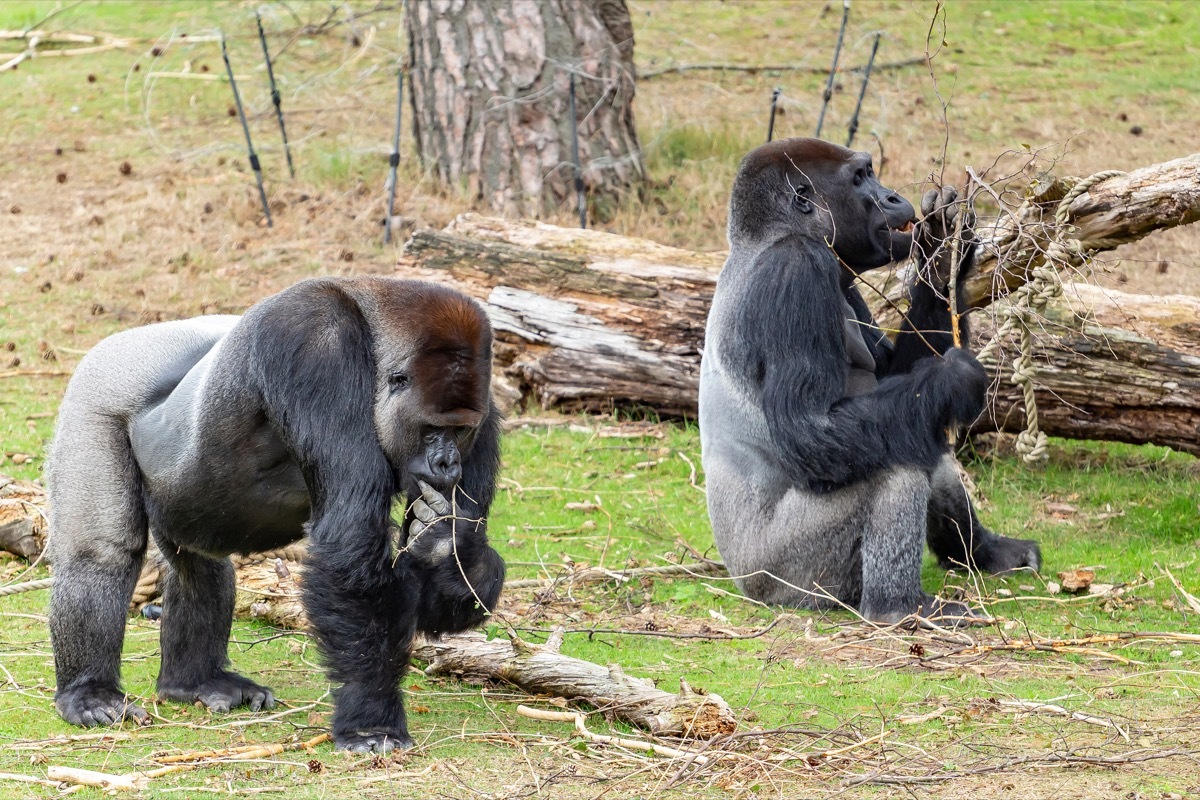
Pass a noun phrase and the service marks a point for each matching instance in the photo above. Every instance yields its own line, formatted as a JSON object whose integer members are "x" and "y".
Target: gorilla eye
{"x": 860, "y": 176}
{"x": 399, "y": 381}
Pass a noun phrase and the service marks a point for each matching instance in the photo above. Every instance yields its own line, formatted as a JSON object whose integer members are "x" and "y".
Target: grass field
{"x": 88, "y": 248}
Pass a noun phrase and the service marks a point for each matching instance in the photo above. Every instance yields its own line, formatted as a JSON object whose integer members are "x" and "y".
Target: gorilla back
{"x": 223, "y": 434}
{"x": 823, "y": 443}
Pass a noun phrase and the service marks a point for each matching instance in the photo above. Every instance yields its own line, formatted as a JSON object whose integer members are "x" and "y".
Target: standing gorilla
{"x": 223, "y": 435}
{"x": 824, "y": 445}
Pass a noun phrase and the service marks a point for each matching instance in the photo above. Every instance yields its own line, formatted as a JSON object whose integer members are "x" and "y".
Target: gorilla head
{"x": 431, "y": 398}
{"x": 819, "y": 189}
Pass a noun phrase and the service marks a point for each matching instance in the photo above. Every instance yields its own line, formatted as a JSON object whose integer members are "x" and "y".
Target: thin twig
{"x": 631, "y": 744}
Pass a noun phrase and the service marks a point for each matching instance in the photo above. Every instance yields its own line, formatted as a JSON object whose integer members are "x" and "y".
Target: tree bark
{"x": 490, "y": 99}
{"x": 1111, "y": 366}
{"x": 589, "y": 321}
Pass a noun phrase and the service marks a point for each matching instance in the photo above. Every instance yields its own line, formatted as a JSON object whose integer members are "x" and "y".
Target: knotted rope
{"x": 1044, "y": 285}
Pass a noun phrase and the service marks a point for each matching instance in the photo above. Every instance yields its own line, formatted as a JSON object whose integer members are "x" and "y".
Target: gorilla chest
{"x": 230, "y": 486}
{"x": 860, "y": 364}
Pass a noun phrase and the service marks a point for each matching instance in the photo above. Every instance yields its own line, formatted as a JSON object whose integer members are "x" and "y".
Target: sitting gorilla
{"x": 824, "y": 444}
{"x": 223, "y": 435}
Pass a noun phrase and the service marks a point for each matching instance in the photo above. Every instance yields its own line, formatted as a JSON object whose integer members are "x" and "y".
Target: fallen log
{"x": 1111, "y": 366}
{"x": 22, "y": 517}
{"x": 590, "y": 321}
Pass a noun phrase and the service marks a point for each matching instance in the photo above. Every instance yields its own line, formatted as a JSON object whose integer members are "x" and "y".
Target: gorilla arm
{"x": 315, "y": 366}
{"x": 790, "y": 347}
{"x": 927, "y": 329}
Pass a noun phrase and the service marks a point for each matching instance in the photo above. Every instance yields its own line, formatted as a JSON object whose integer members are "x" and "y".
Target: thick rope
{"x": 1044, "y": 285}
{"x": 28, "y": 586}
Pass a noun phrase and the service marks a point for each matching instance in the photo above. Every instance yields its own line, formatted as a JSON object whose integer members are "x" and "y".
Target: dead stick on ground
{"x": 243, "y": 752}
{"x": 1047, "y": 708}
{"x": 630, "y": 744}
{"x": 134, "y": 781}
{"x": 13, "y": 776}
{"x": 1191, "y": 599}
{"x": 130, "y": 782}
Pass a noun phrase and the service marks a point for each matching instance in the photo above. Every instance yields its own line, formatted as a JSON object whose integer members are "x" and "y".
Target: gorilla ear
{"x": 800, "y": 200}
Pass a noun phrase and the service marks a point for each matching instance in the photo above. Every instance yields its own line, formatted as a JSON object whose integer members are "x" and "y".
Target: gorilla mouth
{"x": 905, "y": 228}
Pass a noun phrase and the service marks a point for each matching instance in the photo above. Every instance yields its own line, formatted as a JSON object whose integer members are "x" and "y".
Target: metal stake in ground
{"x": 862, "y": 92}
{"x": 771, "y": 122}
{"x": 254, "y": 165}
{"x": 837, "y": 52}
{"x": 575, "y": 158}
{"x": 287, "y": 148}
{"x": 394, "y": 160}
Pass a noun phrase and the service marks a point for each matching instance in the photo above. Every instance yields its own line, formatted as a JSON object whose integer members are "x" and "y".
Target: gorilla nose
{"x": 445, "y": 465}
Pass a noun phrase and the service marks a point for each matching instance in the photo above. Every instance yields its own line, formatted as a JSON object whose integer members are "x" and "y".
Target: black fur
{"x": 788, "y": 342}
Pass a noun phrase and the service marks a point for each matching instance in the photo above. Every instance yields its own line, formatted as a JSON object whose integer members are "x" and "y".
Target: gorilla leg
{"x": 198, "y": 596}
{"x": 362, "y": 611}
{"x": 959, "y": 539}
{"x": 860, "y": 546}
{"x": 97, "y": 544}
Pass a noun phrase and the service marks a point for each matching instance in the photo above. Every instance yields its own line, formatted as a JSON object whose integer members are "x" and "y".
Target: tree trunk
{"x": 588, "y": 321}
{"x": 490, "y": 99}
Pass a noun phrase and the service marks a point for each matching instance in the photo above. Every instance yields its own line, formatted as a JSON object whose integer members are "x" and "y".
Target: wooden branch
{"x": 630, "y": 744}
{"x": 544, "y": 670}
{"x": 1117, "y": 211}
{"x": 265, "y": 594}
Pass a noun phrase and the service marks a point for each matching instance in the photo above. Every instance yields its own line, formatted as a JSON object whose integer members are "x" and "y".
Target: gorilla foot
{"x": 220, "y": 693}
{"x": 1003, "y": 554}
{"x": 373, "y": 741}
{"x": 90, "y": 705}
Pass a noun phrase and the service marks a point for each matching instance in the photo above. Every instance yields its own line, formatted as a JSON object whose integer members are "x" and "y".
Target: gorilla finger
{"x": 949, "y": 195}
{"x": 423, "y": 512}
{"x": 416, "y": 529}
{"x": 928, "y": 201}
{"x": 435, "y": 499}
{"x": 218, "y": 704}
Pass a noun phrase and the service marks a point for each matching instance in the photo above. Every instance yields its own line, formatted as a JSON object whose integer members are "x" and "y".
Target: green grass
{"x": 646, "y": 515}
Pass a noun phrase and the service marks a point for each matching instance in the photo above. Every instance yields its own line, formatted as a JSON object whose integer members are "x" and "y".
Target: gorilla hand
{"x": 431, "y": 533}
{"x": 961, "y": 385}
{"x": 932, "y": 240}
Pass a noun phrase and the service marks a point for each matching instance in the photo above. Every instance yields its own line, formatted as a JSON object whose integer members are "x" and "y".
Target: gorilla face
{"x": 430, "y": 401}
{"x": 818, "y": 189}
{"x": 872, "y": 225}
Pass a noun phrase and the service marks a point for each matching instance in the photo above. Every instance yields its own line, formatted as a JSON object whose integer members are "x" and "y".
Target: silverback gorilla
{"x": 222, "y": 435}
{"x": 824, "y": 444}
